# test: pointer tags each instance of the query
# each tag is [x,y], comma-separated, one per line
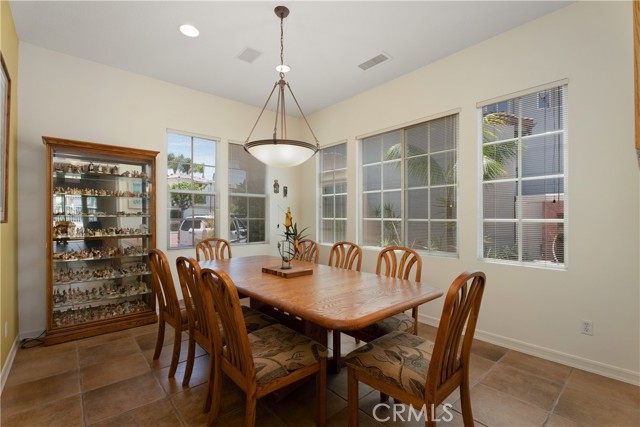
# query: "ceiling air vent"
[249,55]
[373,62]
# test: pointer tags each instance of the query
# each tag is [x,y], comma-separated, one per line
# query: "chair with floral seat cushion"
[262,361]
[307,251]
[170,309]
[419,372]
[212,249]
[402,263]
[199,308]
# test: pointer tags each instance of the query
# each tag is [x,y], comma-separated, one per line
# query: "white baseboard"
[6,368]
[592,366]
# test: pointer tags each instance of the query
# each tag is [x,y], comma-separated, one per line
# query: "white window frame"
[247,195]
[519,221]
[322,196]
[403,185]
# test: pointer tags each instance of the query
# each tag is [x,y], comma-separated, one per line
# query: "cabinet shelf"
[76,260]
[70,176]
[100,237]
[107,299]
[90,215]
[116,195]
[101,279]
[101,226]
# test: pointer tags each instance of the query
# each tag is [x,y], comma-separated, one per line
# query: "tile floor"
[110,380]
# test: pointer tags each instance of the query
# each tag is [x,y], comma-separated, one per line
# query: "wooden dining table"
[329,298]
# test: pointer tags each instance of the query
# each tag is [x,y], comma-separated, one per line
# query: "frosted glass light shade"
[281,153]
[189,30]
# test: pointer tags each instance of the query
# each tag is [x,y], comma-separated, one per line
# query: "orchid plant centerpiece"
[288,248]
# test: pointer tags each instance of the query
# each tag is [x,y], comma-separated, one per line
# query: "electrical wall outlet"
[587,327]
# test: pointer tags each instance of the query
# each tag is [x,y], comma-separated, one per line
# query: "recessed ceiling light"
[189,30]
[283,68]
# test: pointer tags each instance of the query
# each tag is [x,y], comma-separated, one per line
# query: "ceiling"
[324,41]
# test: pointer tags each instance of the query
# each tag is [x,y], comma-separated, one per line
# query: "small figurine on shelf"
[91,168]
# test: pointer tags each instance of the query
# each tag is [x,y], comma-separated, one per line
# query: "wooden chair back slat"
[213,249]
[399,262]
[460,314]
[307,251]
[163,285]
[199,308]
[346,255]
[226,301]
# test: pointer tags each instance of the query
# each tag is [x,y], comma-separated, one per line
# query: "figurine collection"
[86,314]
[99,192]
[67,229]
[96,170]
[62,276]
[104,253]
[106,291]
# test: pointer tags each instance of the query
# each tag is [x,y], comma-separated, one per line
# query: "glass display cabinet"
[100,228]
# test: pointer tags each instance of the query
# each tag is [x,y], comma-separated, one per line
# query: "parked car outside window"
[194,229]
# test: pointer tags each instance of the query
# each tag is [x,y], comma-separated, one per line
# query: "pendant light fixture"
[280,151]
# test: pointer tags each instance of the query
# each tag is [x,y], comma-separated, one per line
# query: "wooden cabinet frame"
[101,223]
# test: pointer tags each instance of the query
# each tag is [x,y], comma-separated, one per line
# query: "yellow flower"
[288,220]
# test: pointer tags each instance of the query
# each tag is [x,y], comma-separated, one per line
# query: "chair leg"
[352,397]
[465,403]
[176,352]
[191,355]
[159,339]
[207,401]
[321,394]
[430,421]
[250,411]
[215,384]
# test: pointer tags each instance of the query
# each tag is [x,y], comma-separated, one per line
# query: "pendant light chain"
[281,152]
[281,45]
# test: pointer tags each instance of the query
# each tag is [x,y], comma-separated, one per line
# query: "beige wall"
[532,309]
[63,96]
[9,231]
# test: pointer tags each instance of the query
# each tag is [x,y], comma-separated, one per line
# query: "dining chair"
[417,371]
[199,308]
[344,254]
[212,249]
[262,361]
[170,309]
[307,251]
[402,263]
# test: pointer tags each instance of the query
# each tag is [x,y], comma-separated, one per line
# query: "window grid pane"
[410,187]
[524,172]
[333,185]
[247,197]
[191,189]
